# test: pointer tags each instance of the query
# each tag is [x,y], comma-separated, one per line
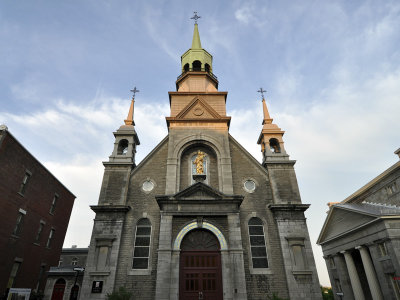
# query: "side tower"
[288,213]
[111,210]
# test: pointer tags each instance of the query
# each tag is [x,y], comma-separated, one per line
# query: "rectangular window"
[332,263]
[338,285]
[13,274]
[25,182]
[141,250]
[382,249]
[60,262]
[53,204]
[51,236]
[298,254]
[20,221]
[102,257]
[39,233]
[41,273]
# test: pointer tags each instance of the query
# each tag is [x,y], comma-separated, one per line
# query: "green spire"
[196,44]
[196,55]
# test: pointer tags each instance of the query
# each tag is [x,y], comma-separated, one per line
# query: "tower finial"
[129,118]
[195,17]
[262,92]
[134,91]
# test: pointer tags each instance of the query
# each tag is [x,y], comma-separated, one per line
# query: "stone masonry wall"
[271,280]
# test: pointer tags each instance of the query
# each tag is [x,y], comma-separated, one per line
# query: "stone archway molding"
[204,225]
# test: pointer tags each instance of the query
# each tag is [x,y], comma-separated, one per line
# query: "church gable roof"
[343,219]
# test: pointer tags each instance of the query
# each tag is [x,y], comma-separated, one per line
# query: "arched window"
[257,244]
[274,146]
[207,68]
[122,147]
[141,252]
[186,67]
[197,65]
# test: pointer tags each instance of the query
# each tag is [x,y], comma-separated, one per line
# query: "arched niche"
[187,169]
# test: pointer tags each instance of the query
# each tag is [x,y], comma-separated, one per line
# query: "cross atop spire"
[262,92]
[134,91]
[129,118]
[195,17]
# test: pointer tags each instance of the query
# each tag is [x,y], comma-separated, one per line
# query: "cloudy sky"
[331,70]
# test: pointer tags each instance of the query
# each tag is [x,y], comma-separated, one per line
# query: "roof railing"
[197,70]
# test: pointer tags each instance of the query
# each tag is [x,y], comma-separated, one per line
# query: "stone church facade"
[199,217]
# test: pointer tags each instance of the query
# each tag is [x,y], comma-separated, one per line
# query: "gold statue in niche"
[199,162]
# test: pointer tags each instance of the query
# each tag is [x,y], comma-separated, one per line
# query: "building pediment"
[198,198]
[341,220]
[198,109]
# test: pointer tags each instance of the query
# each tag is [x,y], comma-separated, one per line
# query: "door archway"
[200,266]
[58,289]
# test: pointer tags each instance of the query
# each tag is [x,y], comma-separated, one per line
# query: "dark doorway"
[58,290]
[200,267]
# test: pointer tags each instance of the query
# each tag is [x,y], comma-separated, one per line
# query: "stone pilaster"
[164,259]
[236,256]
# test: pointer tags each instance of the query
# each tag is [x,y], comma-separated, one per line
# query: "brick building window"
[24,182]
[53,204]
[141,250]
[13,274]
[20,221]
[257,243]
[50,239]
[39,233]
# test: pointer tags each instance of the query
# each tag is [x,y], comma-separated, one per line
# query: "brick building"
[360,240]
[199,217]
[34,213]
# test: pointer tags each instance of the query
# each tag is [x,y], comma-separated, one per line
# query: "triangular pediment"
[341,221]
[198,109]
[199,191]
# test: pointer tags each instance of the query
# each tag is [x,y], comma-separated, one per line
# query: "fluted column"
[354,279]
[371,275]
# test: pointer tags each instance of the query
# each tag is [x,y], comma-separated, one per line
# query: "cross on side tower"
[195,17]
[134,91]
[262,92]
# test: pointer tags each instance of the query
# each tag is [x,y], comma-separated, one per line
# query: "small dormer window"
[122,147]
[274,146]
[197,65]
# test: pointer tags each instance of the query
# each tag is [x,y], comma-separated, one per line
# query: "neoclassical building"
[199,217]
[361,240]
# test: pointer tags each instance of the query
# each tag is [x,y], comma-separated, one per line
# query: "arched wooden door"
[58,290]
[200,267]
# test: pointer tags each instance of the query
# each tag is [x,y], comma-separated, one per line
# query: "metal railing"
[197,70]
